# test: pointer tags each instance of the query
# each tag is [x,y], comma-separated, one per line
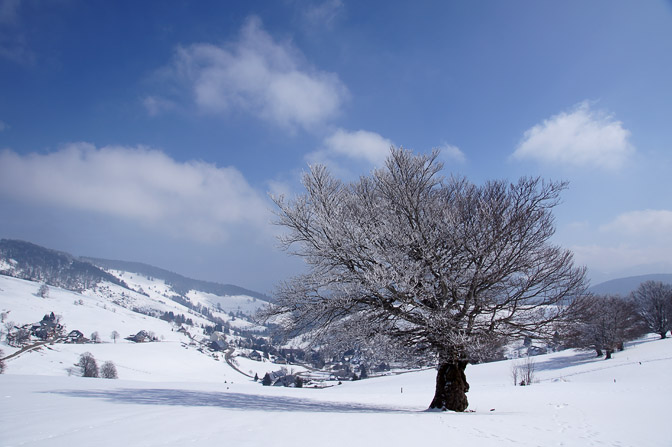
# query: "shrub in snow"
[108,371]
[522,373]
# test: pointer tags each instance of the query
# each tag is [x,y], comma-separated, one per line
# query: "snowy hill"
[29,261]
[179,284]
[111,308]
[576,400]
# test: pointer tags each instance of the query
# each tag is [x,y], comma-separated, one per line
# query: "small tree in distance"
[88,365]
[440,265]
[43,291]
[108,371]
[114,336]
[653,300]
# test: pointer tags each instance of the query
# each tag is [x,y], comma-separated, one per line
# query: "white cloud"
[581,137]
[633,243]
[653,224]
[620,260]
[3,126]
[256,74]
[322,14]
[194,199]
[452,153]
[358,145]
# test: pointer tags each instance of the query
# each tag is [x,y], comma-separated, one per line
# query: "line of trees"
[605,323]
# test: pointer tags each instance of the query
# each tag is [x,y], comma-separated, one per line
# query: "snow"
[230,303]
[252,367]
[170,394]
[95,314]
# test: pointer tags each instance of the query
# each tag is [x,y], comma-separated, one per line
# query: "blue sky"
[154,131]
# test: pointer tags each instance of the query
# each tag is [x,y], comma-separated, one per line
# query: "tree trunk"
[451,387]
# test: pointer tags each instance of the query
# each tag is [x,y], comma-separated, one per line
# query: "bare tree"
[2,361]
[442,265]
[522,371]
[654,303]
[88,365]
[108,371]
[95,337]
[43,291]
[114,336]
[605,324]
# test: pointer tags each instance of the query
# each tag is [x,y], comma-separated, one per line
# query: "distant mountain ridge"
[180,284]
[25,260]
[624,286]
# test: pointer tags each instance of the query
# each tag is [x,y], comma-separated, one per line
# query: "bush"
[108,371]
[88,365]
[523,372]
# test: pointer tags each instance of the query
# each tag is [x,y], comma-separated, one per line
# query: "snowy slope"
[578,402]
[106,309]
[95,313]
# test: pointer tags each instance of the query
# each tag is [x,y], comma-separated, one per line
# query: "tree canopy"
[440,264]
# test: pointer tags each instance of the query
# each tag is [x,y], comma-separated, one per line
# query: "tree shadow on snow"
[580,358]
[232,401]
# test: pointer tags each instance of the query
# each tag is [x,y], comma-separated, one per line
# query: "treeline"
[32,262]
[606,322]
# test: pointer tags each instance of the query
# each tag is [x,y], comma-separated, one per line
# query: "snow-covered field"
[579,401]
[170,394]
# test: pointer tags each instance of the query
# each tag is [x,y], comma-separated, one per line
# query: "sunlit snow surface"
[169,394]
